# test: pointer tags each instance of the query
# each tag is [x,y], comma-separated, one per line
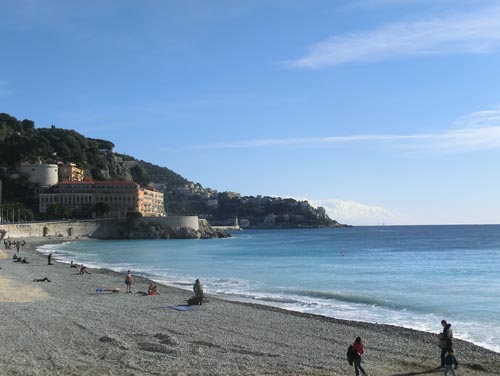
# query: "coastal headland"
[66,327]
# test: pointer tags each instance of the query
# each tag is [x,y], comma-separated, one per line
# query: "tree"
[15,212]
[140,175]
[101,208]
[57,211]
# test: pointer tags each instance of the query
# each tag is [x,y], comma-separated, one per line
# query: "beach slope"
[65,327]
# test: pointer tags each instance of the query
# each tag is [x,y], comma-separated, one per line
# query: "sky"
[381,111]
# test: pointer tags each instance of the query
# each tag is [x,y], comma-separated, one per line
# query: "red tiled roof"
[93,182]
[115,182]
[74,182]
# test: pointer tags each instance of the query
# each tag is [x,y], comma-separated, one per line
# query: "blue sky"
[383,111]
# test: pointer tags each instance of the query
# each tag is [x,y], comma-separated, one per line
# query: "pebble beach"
[67,327]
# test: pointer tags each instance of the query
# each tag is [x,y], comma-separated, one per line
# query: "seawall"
[97,228]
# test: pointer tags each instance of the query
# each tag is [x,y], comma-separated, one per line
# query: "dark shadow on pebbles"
[166,339]
[155,348]
[113,342]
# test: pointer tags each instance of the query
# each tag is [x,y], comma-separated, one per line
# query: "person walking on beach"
[49,258]
[450,363]
[445,340]
[359,349]
[128,282]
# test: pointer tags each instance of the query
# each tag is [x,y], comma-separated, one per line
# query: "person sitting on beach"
[128,282]
[198,293]
[153,289]
[72,265]
[358,349]
[84,270]
[41,280]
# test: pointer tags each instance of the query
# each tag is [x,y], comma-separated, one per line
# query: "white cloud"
[474,132]
[355,213]
[358,214]
[475,32]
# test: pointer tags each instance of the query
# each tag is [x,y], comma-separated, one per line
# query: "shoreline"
[90,333]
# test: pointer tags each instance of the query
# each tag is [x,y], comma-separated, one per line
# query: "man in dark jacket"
[445,340]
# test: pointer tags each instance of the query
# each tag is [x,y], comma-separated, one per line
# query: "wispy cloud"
[474,132]
[476,32]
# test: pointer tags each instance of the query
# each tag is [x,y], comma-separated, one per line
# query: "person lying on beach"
[25,261]
[84,270]
[41,280]
[100,290]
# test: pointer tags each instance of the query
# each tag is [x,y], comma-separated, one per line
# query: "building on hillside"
[69,172]
[43,175]
[121,197]
[244,223]
[212,203]
[270,219]
[151,202]
[230,195]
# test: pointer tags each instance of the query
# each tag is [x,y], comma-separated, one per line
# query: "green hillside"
[21,142]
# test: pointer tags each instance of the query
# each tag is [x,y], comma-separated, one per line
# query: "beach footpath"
[69,327]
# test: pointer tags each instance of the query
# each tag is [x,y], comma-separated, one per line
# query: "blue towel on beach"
[181,307]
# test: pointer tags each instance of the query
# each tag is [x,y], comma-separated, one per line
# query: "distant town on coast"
[54,174]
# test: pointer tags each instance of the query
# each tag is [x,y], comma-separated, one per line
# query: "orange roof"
[73,182]
[115,182]
[93,182]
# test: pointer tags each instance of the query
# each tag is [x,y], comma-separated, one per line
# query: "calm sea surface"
[412,276]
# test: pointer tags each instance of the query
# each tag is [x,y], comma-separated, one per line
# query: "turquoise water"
[411,276]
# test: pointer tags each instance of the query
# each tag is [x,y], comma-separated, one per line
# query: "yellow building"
[69,172]
[151,203]
[120,196]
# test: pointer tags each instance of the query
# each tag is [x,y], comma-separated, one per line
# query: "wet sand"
[64,327]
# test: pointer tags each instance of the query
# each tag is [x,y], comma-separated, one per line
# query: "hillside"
[21,142]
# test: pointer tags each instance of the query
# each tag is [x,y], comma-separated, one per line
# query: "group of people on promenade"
[447,356]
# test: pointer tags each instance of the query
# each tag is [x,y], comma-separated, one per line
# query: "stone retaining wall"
[89,228]
[49,229]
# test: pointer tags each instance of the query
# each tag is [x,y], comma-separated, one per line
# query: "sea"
[410,276]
